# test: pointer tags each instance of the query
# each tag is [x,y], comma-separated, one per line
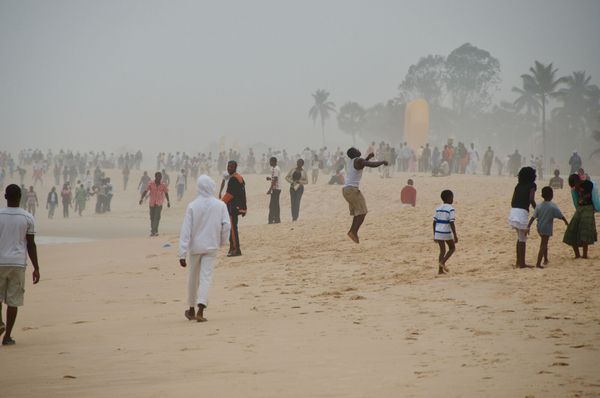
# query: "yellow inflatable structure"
[416,123]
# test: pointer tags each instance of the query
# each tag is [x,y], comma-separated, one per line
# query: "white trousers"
[200,271]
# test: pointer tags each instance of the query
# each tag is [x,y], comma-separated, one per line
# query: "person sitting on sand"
[556,182]
[545,213]
[205,228]
[444,230]
[353,195]
[523,197]
[408,195]
[581,231]
[338,177]
[442,170]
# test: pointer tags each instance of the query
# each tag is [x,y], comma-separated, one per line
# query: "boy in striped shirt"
[444,231]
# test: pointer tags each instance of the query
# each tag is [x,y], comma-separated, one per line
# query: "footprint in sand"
[358,297]
[26,328]
[557,334]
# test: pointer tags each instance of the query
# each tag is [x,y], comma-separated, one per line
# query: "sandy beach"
[305,312]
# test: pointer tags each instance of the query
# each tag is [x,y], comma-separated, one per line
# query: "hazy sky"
[181,74]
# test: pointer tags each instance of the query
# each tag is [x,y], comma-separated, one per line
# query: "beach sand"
[305,312]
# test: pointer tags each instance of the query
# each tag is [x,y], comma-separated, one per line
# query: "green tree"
[526,100]
[425,79]
[543,83]
[322,109]
[351,119]
[579,99]
[386,120]
[472,76]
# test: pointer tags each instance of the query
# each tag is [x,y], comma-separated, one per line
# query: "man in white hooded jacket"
[205,228]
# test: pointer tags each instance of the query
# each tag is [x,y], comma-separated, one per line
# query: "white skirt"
[518,218]
[441,236]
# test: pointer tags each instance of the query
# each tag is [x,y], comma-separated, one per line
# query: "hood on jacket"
[206,186]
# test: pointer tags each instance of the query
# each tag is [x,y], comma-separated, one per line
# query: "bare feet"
[441,269]
[546,261]
[540,266]
[200,318]
[189,314]
[353,236]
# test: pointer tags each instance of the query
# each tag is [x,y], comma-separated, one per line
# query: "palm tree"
[542,83]
[351,119]
[321,109]
[526,100]
[579,99]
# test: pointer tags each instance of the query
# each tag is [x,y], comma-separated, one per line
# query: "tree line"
[550,113]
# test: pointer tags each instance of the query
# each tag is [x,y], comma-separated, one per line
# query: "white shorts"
[518,218]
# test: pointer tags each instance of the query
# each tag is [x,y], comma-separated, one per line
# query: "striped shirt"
[444,215]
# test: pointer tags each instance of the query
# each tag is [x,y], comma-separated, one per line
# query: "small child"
[556,182]
[408,195]
[444,231]
[545,213]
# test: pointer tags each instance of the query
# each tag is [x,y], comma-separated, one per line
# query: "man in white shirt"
[275,192]
[205,228]
[355,198]
[17,229]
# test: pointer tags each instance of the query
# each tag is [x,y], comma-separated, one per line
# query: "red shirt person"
[408,195]
[157,191]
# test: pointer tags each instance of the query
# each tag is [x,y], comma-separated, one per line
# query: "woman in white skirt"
[523,197]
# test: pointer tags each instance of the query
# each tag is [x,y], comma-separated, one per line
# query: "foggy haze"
[170,75]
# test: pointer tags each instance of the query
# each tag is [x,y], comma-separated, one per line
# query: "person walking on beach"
[205,228]
[353,195]
[17,241]
[66,196]
[32,201]
[297,178]
[235,199]
[144,181]
[180,185]
[51,202]
[157,191]
[444,231]
[126,173]
[274,191]
[523,197]
[315,166]
[81,196]
[545,213]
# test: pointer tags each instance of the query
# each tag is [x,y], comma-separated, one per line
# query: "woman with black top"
[523,196]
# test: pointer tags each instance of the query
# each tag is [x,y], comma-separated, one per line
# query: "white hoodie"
[206,224]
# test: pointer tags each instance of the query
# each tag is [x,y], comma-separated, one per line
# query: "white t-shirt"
[276,172]
[444,215]
[15,223]
[354,175]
